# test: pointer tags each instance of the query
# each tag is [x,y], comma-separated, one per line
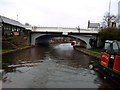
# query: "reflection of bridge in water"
[42,35]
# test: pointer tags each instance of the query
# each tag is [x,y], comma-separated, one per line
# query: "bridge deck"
[62,29]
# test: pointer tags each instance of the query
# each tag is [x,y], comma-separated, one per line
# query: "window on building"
[119,26]
[115,46]
[119,44]
[7,28]
[13,29]
[17,29]
[21,29]
[107,46]
[10,28]
[4,26]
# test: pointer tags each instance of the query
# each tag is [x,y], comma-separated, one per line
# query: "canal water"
[56,66]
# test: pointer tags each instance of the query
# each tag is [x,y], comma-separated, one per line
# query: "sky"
[57,13]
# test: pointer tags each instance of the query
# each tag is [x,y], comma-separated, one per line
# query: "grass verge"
[89,52]
[4,51]
[97,50]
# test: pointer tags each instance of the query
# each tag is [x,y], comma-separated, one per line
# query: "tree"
[27,24]
[109,20]
[109,34]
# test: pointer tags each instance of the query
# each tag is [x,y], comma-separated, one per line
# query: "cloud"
[56,12]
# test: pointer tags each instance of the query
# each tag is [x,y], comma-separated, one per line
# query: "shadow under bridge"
[44,40]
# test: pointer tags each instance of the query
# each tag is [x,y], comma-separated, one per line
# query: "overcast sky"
[65,13]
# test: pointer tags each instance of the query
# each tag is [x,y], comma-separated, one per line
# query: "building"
[93,25]
[119,9]
[10,26]
[118,23]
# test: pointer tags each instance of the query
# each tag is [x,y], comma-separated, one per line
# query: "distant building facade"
[10,26]
[93,25]
[119,9]
[118,23]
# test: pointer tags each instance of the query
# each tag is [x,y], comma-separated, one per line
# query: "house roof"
[94,25]
[11,21]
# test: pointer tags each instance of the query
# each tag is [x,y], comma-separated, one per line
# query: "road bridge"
[44,34]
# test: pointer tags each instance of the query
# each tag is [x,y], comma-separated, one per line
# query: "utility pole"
[17,17]
[109,14]
[109,6]
[78,28]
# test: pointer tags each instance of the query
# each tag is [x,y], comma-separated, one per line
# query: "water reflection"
[23,57]
[70,56]
[57,66]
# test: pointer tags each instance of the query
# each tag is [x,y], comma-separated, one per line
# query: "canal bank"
[14,50]
[15,43]
[89,52]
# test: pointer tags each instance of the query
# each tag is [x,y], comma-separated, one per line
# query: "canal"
[56,66]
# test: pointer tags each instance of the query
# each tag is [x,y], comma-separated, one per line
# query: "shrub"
[109,34]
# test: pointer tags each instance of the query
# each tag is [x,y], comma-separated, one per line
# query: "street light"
[78,28]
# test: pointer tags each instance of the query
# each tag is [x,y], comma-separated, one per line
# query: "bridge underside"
[44,40]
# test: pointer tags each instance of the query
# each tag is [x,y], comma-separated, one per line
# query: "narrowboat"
[75,43]
[110,58]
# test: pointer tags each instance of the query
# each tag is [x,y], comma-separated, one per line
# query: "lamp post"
[78,28]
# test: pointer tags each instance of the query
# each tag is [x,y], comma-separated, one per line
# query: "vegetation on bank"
[109,34]
[13,43]
[105,34]
[99,50]
[10,37]
[3,51]
[90,52]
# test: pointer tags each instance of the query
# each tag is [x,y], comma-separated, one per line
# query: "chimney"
[88,23]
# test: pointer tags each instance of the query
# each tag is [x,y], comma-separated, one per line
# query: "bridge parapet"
[63,29]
